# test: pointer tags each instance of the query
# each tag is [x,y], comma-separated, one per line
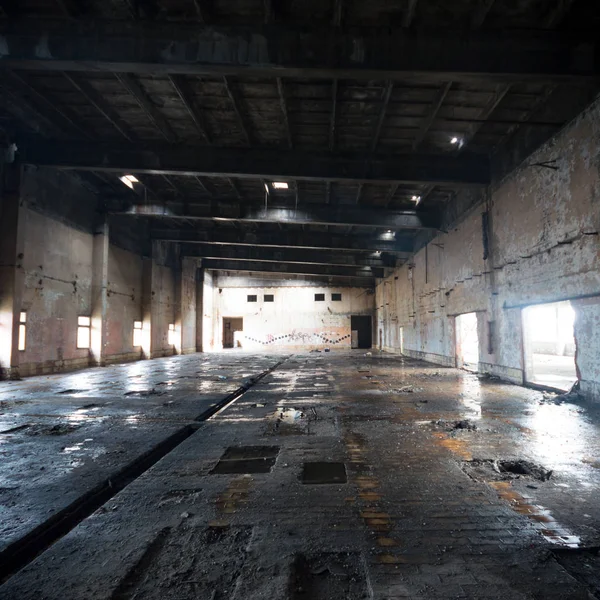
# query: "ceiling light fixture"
[416,199]
[454,140]
[129,180]
[280,185]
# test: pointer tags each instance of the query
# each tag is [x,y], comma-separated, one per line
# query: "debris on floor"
[58,429]
[502,470]
[145,393]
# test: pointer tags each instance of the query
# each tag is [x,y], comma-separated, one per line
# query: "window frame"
[336,296]
[269,298]
[22,341]
[84,328]
[251,297]
[319,297]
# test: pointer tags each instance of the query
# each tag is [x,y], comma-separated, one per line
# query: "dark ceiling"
[355,105]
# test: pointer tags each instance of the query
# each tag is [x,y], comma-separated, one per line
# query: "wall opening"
[22,330]
[361,331]
[467,342]
[84,325]
[231,327]
[549,345]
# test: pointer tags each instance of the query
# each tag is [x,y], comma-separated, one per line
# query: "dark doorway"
[362,326]
[230,326]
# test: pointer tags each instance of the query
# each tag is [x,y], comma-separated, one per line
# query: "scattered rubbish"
[258,405]
[328,576]
[464,424]
[316,350]
[573,395]
[488,377]
[368,354]
[184,515]
[15,429]
[221,377]
[59,429]
[408,389]
[145,393]
[501,470]
[71,391]
[326,350]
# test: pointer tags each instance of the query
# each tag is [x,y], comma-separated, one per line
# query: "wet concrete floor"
[338,475]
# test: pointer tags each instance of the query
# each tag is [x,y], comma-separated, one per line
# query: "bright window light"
[416,199]
[22,330]
[454,140]
[280,185]
[137,333]
[83,332]
[171,335]
[129,180]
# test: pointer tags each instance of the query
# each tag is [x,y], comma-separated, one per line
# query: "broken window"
[137,333]
[319,297]
[171,334]
[269,298]
[22,330]
[252,297]
[549,345]
[83,331]
[336,297]
[467,342]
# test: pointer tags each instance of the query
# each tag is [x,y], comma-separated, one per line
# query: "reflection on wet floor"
[333,456]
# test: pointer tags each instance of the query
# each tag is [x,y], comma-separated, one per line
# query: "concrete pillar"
[187,304]
[12,244]
[199,309]
[146,307]
[99,331]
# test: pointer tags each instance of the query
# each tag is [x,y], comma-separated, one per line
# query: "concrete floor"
[416,518]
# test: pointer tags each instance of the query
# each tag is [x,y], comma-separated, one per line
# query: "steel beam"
[295,269]
[291,255]
[336,216]
[316,241]
[282,50]
[257,163]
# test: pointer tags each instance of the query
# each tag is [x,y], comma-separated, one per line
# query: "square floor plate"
[323,472]
[246,459]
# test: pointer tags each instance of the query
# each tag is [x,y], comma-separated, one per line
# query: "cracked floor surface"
[338,475]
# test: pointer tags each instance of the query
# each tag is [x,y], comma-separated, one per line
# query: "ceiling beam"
[146,104]
[481,12]
[409,13]
[557,13]
[387,94]
[291,255]
[292,268]
[287,239]
[317,214]
[281,50]
[486,111]
[284,111]
[431,115]
[98,102]
[257,163]
[234,97]
[186,96]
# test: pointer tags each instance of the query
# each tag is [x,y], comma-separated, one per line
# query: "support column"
[12,243]
[199,309]
[99,294]
[187,303]
[147,307]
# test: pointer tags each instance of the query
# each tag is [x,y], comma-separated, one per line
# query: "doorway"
[232,325]
[362,333]
[467,342]
[549,345]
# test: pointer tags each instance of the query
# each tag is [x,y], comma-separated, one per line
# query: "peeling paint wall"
[57,265]
[543,247]
[293,320]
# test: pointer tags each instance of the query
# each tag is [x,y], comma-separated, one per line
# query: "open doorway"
[231,327]
[549,345]
[361,329]
[467,342]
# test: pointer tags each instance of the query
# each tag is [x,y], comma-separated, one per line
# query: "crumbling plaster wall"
[543,247]
[294,319]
